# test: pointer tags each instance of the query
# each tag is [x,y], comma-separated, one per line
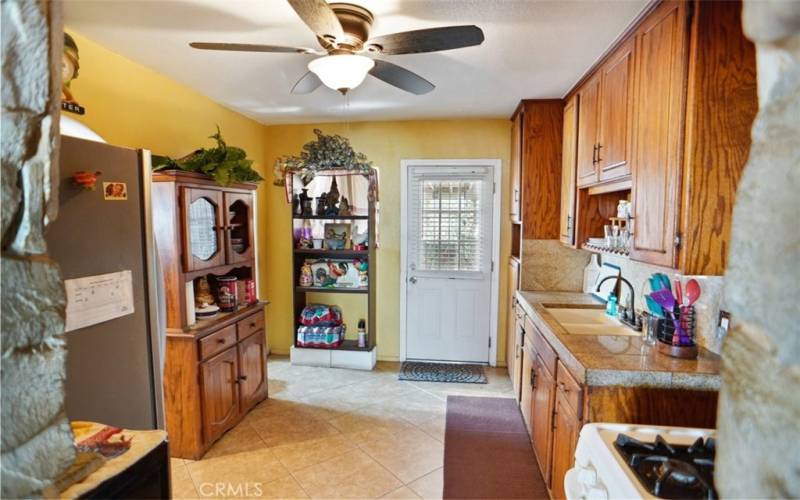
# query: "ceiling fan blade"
[248,47]
[428,40]
[307,84]
[401,77]
[318,16]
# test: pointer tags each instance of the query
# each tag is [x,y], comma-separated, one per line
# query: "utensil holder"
[686,347]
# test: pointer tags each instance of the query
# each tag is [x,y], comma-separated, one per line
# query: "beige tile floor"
[331,433]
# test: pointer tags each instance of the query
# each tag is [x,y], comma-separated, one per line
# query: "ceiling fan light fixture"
[341,72]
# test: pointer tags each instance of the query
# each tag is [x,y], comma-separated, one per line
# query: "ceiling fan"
[342,29]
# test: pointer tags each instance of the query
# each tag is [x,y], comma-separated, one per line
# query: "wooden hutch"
[215,369]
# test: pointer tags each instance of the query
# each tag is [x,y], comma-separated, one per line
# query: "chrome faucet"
[628,316]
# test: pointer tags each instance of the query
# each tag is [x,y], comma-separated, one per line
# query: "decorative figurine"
[306,277]
[322,204]
[333,199]
[204,304]
[297,208]
[305,202]
[344,207]
[362,267]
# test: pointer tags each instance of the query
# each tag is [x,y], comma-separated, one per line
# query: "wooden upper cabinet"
[616,114]
[516,165]
[588,105]
[568,159]
[203,242]
[220,393]
[239,215]
[661,45]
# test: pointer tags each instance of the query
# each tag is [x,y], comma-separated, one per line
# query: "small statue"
[305,202]
[306,276]
[344,207]
[322,204]
[202,294]
[333,199]
[362,267]
[297,208]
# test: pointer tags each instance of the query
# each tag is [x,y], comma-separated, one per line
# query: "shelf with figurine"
[334,252]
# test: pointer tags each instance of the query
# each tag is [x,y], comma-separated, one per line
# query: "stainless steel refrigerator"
[114,368]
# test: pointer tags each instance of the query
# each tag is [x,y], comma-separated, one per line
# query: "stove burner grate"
[671,471]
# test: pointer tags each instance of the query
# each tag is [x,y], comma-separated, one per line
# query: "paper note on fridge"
[94,299]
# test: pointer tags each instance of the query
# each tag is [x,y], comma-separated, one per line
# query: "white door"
[449,263]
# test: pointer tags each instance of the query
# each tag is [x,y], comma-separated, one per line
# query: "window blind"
[448,232]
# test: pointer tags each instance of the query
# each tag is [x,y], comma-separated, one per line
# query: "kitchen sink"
[589,321]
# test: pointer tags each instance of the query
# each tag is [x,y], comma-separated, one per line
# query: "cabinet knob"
[533,378]
[243,377]
[253,324]
[220,341]
[562,387]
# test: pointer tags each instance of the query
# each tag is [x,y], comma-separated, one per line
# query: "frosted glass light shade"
[341,72]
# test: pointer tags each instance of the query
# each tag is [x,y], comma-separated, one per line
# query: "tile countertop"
[600,360]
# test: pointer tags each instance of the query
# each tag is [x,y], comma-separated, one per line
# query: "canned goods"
[227,293]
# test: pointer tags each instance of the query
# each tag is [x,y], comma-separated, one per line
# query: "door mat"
[442,372]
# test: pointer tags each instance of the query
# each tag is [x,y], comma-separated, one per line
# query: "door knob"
[412,280]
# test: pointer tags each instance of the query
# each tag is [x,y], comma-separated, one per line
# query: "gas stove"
[636,461]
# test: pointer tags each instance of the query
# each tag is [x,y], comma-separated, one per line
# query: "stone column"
[759,408]
[36,441]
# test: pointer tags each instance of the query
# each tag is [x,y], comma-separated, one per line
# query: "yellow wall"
[133,106]
[385,144]
[130,105]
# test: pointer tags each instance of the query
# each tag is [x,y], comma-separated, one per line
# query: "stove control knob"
[587,476]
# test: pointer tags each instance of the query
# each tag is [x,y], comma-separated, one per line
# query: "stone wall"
[759,409]
[36,441]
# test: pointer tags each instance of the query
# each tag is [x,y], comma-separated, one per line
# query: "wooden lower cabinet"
[526,383]
[513,286]
[220,393]
[212,378]
[516,374]
[252,371]
[541,410]
[566,427]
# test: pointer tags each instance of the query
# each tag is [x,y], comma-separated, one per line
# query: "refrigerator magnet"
[115,191]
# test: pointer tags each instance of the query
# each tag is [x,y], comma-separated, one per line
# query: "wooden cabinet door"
[526,383]
[238,226]
[220,393]
[588,102]
[252,370]
[542,402]
[517,373]
[568,159]
[660,81]
[201,225]
[513,285]
[565,438]
[616,114]
[516,166]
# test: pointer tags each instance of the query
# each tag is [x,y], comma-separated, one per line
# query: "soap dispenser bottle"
[611,305]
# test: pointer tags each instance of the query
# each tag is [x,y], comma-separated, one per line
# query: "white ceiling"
[533,49]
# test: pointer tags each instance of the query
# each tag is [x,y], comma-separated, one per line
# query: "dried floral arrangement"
[225,164]
[327,152]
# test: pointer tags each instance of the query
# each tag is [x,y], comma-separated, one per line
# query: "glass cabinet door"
[202,230]
[239,228]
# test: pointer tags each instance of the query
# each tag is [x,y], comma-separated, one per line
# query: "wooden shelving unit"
[300,293]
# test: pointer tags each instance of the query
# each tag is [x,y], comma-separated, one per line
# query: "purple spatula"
[665,299]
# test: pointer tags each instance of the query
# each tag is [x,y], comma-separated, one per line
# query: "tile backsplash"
[549,265]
